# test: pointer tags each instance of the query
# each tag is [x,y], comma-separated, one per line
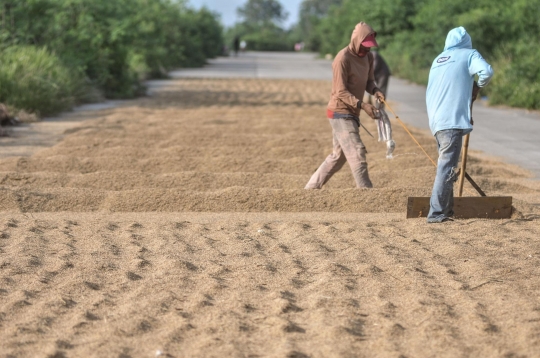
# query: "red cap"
[370,41]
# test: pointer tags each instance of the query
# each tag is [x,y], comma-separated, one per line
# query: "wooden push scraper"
[483,206]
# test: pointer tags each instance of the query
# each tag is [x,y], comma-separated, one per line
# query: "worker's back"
[449,91]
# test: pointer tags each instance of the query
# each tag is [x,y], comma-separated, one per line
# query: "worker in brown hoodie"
[352,76]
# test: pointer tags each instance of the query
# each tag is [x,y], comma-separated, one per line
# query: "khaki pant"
[348,147]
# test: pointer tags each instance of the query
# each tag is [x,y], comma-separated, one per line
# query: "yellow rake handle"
[467,176]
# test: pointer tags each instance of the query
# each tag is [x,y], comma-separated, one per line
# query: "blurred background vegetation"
[56,53]
[412,33]
[261,26]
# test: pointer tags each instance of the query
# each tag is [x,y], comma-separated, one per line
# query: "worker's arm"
[371,86]
[479,66]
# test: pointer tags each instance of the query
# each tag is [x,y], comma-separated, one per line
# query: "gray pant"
[347,147]
[449,142]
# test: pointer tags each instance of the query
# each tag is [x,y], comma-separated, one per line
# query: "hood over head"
[458,38]
[360,32]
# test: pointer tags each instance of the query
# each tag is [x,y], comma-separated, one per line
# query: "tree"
[316,8]
[311,14]
[412,32]
[259,13]
[113,44]
[261,26]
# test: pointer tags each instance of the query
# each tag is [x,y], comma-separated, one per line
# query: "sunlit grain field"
[177,225]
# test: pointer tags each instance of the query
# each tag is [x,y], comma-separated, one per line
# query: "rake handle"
[409,133]
[463,164]
[467,176]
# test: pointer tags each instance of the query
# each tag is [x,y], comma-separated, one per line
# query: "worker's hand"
[380,96]
[475,91]
[371,110]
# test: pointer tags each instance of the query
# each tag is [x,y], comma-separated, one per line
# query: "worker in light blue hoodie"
[450,93]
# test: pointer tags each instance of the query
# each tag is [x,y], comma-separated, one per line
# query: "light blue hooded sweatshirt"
[449,91]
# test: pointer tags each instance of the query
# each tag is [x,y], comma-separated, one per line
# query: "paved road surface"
[264,65]
[511,134]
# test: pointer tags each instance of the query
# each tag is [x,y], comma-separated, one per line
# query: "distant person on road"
[353,75]
[450,93]
[236,45]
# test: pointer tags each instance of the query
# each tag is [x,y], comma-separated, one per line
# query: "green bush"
[517,82]
[413,32]
[266,37]
[267,41]
[36,80]
[114,43]
[387,17]
[261,26]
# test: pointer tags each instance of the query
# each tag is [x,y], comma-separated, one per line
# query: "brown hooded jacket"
[352,75]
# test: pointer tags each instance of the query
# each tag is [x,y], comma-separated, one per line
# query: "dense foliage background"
[260,26]
[412,33]
[55,53]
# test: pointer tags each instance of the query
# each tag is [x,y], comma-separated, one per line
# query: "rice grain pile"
[177,225]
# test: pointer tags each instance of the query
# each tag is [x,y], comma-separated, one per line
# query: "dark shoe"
[439,220]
